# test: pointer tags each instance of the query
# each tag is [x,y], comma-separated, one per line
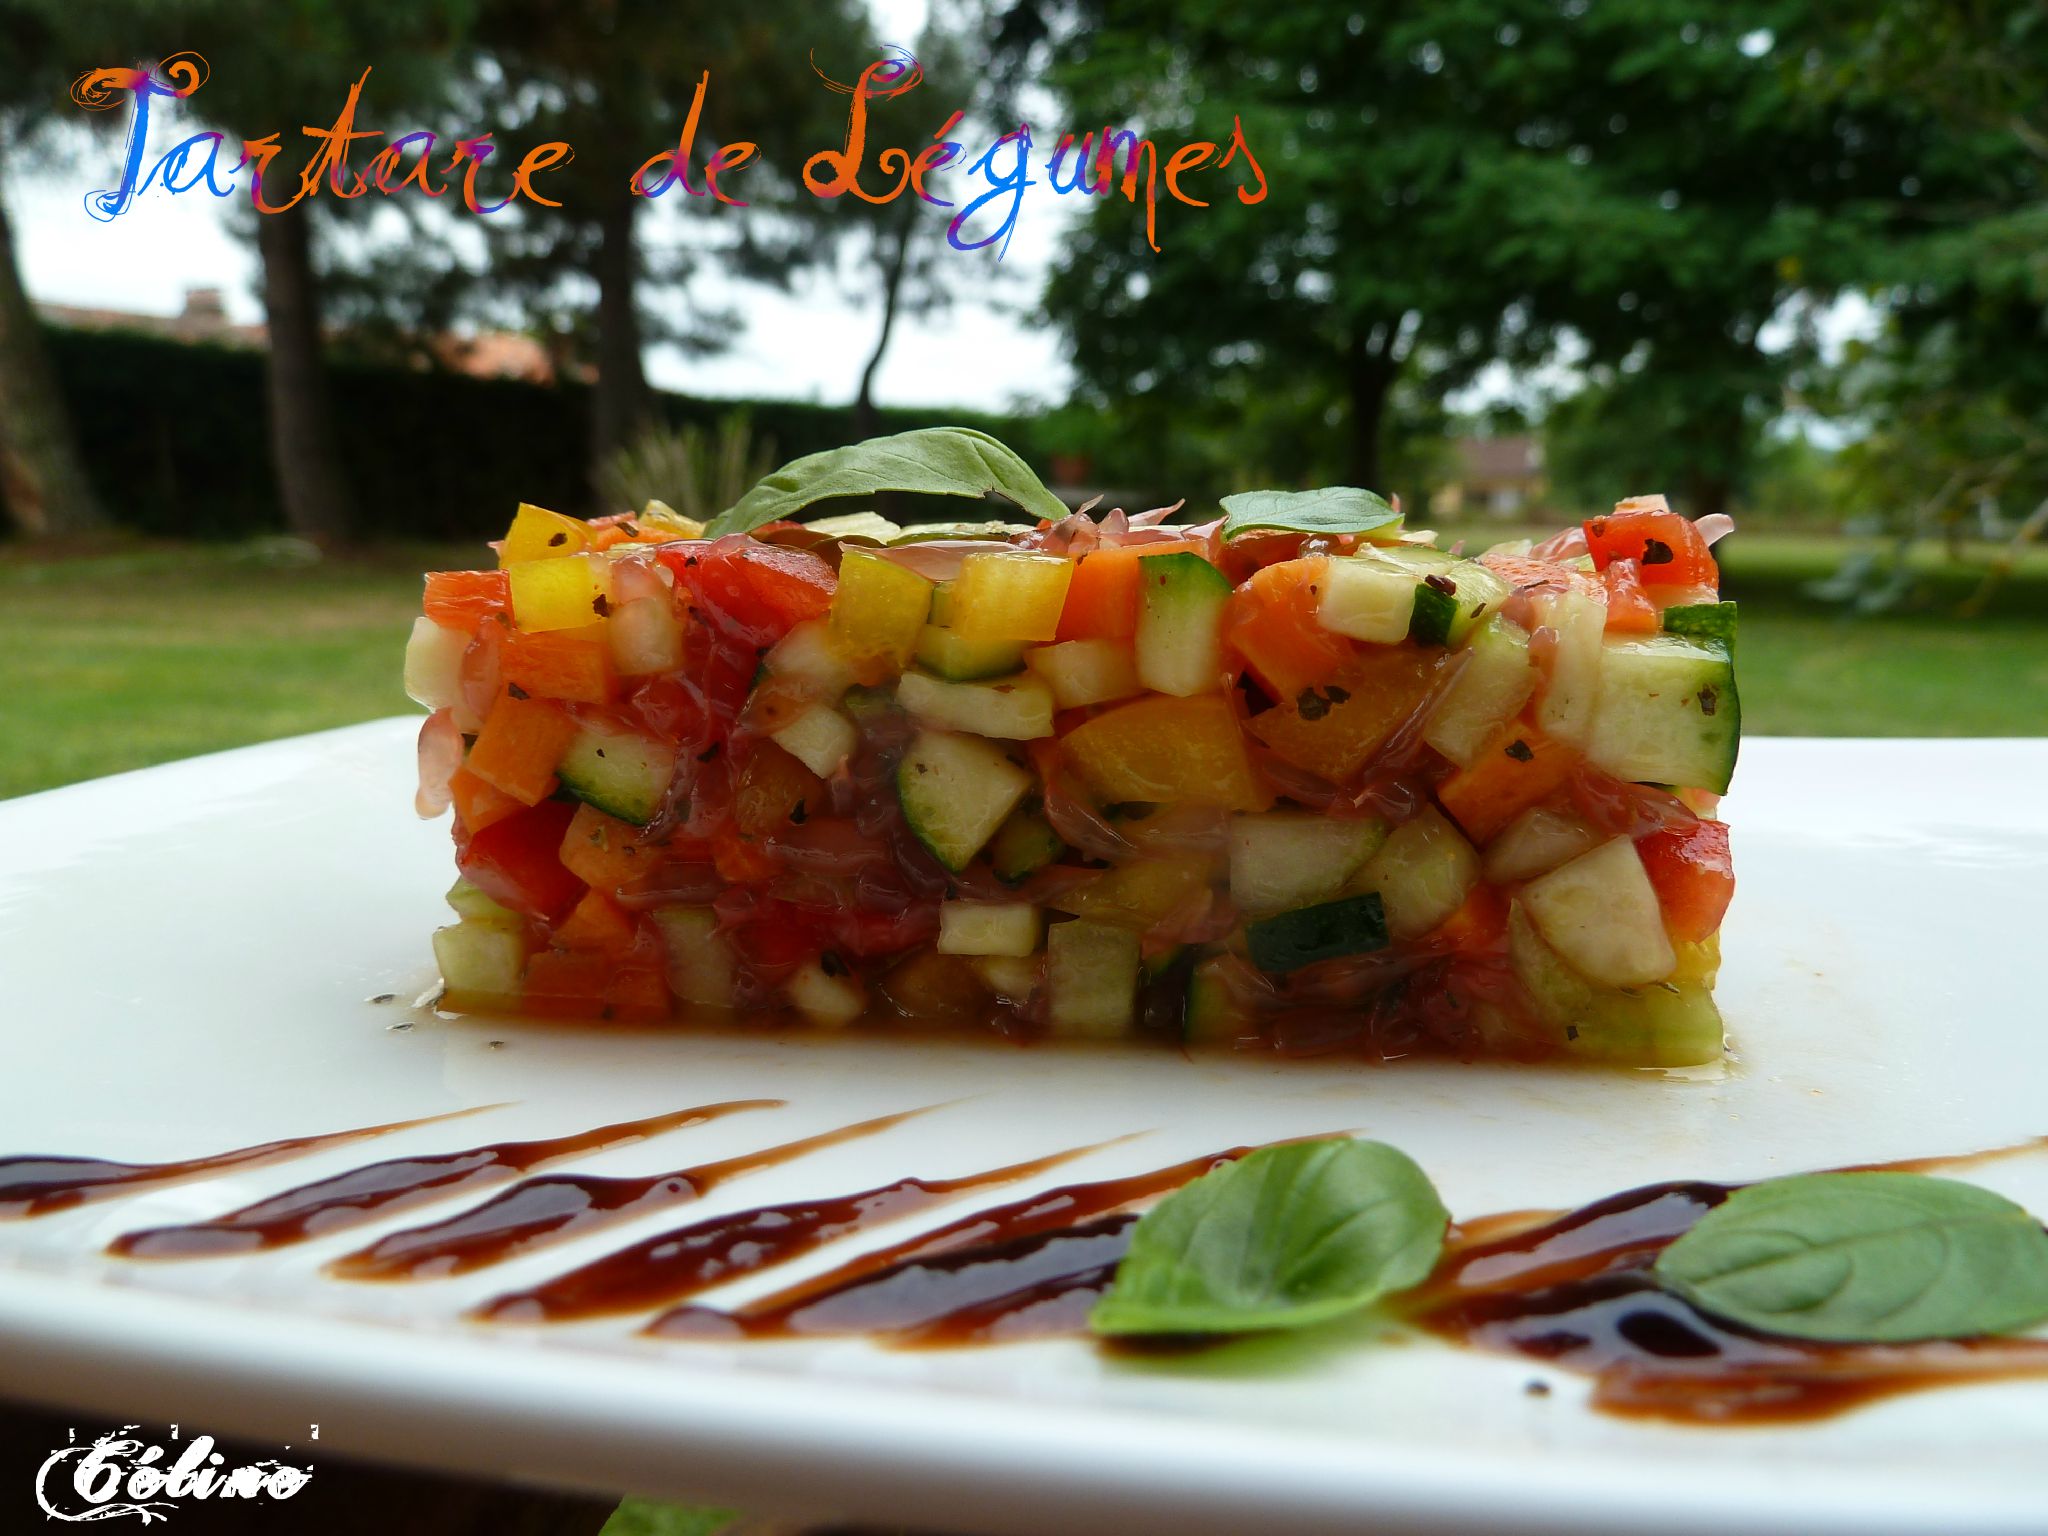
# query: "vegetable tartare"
[1296,778]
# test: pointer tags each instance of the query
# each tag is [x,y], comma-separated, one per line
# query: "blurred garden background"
[1517,259]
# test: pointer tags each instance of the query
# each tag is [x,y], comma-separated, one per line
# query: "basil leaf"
[939,461]
[1333,509]
[1879,1258]
[1286,1236]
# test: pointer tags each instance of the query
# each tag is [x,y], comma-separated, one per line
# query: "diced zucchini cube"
[1091,979]
[700,969]
[988,928]
[1368,598]
[1180,623]
[955,791]
[1012,709]
[481,964]
[955,657]
[1423,873]
[807,656]
[645,637]
[1493,682]
[820,738]
[1286,859]
[1600,913]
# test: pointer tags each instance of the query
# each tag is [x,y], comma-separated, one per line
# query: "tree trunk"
[894,264]
[1369,379]
[621,408]
[302,445]
[42,481]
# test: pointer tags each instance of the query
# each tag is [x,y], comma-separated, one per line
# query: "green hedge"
[174,438]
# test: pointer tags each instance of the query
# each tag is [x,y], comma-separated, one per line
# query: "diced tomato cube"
[515,861]
[760,590]
[1667,547]
[1629,609]
[1693,875]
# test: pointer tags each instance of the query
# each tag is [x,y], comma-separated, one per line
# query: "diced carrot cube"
[477,803]
[637,992]
[464,599]
[518,748]
[1272,624]
[566,983]
[603,851]
[1517,767]
[1102,598]
[1478,925]
[596,922]
[570,664]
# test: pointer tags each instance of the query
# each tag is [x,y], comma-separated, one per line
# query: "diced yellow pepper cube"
[1010,595]
[538,534]
[561,594]
[877,613]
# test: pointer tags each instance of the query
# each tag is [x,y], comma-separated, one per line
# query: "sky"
[983,352]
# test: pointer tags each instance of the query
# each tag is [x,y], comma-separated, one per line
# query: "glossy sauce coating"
[681,1263]
[362,1194]
[535,1212]
[33,1185]
[1014,1251]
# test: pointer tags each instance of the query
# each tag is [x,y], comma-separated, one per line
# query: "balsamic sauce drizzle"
[559,1206]
[1573,1289]
[38,1185]
[693,1259]
[363,1194]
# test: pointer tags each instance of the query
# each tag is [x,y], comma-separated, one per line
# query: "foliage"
[697,470]
[173,438]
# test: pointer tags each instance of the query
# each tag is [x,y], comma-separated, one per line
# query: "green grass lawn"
[127,660]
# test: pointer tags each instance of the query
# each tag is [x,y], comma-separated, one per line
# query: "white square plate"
[186,956]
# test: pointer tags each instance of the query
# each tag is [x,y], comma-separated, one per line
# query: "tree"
[42,479]
[618,81]
[274,64]
[1367,260]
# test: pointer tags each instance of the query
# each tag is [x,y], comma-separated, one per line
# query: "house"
[1500,477]
[204,319]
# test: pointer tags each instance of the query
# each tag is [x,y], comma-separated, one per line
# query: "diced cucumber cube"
[1667,712]
[988,928]
[1354,925]
[807,656]
[473,905]
[481,964]
[1579,621]
[1452,602]
[1014,709]
[1280,860]
[700,966]
[1180,624]
[955,791]
[1423,873]
[1368,598]
[645,637]
[1600,913]
[619,771]
[1494,680]
[1024,843]
[959,659]
[1535,843]
[820,738]
[1091,979]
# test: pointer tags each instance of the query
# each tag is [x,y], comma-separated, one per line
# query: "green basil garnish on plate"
[1333,509]
[1286,1236]
[1877,1258]
[936,461]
